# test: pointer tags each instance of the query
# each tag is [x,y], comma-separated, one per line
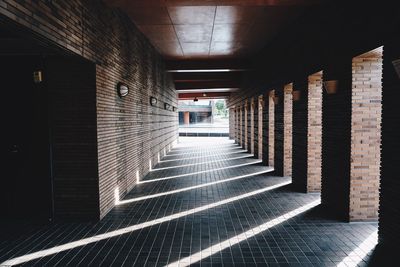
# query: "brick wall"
[389,212]
[270,141]
[287,129]
[72,99]
[242,126]
[130,132]
[365,135]
[336,111]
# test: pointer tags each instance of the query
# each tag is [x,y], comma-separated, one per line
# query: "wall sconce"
[122,89]
[276,99]
[331,86]
[37,76]
[153,101]
[396,65]
[167,106]
[195,99]
[296,95]
[174,108]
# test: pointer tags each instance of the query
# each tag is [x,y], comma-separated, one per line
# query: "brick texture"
[246,125]
[270,141]
[365,136]
[130,132]
[260,126]
[251,131]
[256,129]
[287,129]
[232,125]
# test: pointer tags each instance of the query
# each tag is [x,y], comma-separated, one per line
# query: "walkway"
[208,202]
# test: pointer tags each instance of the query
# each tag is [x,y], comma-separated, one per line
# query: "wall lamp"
[122,89]
[167,106]
[195,99]
[153,101]
[331,86]
[296,95]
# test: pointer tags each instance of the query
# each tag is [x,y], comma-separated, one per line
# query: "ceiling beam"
[191,96]
[220,66]
[196,76]
[206,85]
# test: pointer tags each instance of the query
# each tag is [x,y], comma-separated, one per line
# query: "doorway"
[26,184]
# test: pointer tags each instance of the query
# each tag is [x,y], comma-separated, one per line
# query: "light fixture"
[276,99]
[331,86]
[204,94]
[296,95]
[396,65]
[167,106]
[195,99]
[153,101]
[37,76]
[122,89]
[174,108]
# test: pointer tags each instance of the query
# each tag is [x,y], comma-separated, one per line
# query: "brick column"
[231,123]
[260,111]
[389,213]
[241,126]
[237,125]
[287,129]
[314,137]
[336,135]
[307,116]
[256,132]
[251,132]
[271,129]
[279,132]
[365,136]
[246,123]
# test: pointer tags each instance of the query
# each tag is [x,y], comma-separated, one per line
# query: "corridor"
[207,202]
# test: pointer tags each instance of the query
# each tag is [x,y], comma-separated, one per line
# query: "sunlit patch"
[121,202]
[205,253]
[137,176]
[208,151]
[158,157]
[116,196]
[200,157]
[202,150]
[199,172]
[96,238]
[200,163]
[357,255]
[150,165]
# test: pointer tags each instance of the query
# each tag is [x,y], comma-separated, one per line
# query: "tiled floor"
[204,204]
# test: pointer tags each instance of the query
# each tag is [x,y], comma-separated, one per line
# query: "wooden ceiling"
[210,30]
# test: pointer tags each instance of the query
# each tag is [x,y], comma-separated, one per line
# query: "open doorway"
[205,117]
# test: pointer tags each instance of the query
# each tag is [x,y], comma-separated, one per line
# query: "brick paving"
[207,203]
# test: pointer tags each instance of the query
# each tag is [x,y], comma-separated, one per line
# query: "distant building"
[193,112]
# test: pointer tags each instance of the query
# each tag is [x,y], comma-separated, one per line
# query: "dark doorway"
[25,181]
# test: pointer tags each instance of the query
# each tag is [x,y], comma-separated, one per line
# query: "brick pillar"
[186,117]
[260,111]
[255,121]
[251,132]
[365,136]
[231,123]
[241,126]
[307,119]
[314,137]
[237,125]
[279,132]
[287,129]
[336,136]
[246,123]
[389,212]
[271,129]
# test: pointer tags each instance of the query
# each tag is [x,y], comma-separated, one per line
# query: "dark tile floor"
[206,205]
